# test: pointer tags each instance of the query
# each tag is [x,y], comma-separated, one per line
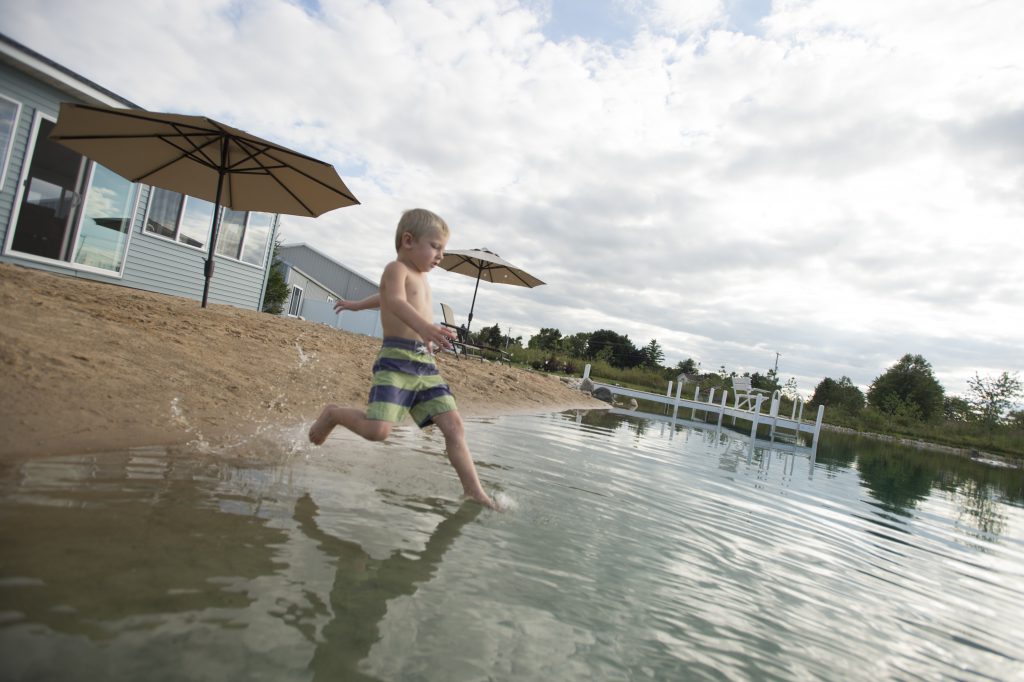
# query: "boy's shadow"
[363,586]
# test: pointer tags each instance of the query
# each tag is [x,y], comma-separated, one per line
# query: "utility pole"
[776,370]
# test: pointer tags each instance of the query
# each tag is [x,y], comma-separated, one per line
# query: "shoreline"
[969,453]
[91,366]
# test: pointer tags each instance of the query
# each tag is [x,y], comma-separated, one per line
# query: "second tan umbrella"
[484,264]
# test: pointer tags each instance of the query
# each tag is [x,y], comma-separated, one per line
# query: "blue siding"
[33,96]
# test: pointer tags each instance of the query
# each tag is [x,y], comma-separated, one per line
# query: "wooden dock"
[794,425]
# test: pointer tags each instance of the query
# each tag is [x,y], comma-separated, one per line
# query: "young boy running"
[405,376]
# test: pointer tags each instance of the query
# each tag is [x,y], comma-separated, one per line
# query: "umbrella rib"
[196,154]
[268,171]
[314,178]
[254,151]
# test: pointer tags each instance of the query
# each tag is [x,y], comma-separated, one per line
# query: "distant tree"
[619,350]
[576,345]
[490,336]
[688,366]
[907,388]
[766,382]
[546,339]
[956,409]
[277,288]
[992,397]
[840,394]
[790,389]
[653,354]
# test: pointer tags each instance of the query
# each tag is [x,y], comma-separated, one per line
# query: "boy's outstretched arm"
[363,304]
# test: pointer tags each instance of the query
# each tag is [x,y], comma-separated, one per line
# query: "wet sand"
[89,366]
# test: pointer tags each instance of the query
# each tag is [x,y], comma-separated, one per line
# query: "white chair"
[744,396]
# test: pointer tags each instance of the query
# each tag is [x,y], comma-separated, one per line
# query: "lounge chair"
[462,344]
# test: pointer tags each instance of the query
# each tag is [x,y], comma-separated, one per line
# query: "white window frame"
[206,247]
[295,302]
[245,238]
[177,222]
[8,250]
[8,151]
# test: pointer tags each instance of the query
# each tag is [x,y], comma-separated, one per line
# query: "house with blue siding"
[63,213]
[315,281]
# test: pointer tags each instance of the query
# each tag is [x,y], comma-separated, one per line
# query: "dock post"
[679,393]
[773,412]
[755,419]
[817,430]
[721,412]
[668,394]
[586,372]
[696,398]
[711,399]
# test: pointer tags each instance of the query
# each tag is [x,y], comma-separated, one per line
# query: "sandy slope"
[90,366]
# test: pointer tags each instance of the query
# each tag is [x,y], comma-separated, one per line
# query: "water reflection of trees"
[899,477]
[603,419]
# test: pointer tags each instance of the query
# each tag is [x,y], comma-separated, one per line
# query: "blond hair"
[419,222]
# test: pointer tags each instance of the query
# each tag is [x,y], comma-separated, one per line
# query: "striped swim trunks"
[406,380]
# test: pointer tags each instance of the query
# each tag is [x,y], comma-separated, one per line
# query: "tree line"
[909,390]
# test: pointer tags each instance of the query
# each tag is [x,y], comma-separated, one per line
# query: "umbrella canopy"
[203,158]
[484,264]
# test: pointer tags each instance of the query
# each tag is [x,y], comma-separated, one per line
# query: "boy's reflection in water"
[363,585]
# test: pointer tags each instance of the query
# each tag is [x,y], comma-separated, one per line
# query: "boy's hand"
[342,304]
[436,335]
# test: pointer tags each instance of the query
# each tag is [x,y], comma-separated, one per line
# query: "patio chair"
[745,397]
[462,343]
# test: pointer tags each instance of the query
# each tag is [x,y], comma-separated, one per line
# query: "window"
[295,307]
[256,238]
[242,235]
[69,209]
[106,221]
[9,112]
[164,209]
[185,219]
[229,239]
[196,222]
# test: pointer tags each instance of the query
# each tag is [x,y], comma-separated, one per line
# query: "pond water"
[633,549]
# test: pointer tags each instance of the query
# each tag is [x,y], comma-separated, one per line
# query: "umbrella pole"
[473,304]
[216,228]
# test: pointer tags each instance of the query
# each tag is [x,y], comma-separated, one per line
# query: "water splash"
[505,502]
[178,417]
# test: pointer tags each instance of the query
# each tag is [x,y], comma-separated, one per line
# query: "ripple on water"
[631,549]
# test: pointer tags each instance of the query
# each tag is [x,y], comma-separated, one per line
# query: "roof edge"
[26,59]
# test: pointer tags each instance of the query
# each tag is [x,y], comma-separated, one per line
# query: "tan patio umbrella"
[484,264]
[203,158]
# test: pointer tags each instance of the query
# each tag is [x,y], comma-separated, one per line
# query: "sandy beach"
[91,366]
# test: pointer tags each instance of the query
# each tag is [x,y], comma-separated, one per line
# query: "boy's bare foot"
[486,501]
[323,425]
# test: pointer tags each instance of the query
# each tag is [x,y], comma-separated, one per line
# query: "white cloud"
[842,188]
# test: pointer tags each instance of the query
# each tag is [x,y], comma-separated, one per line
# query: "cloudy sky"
[836,181]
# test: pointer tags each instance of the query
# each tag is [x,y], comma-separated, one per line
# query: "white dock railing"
[793,423]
